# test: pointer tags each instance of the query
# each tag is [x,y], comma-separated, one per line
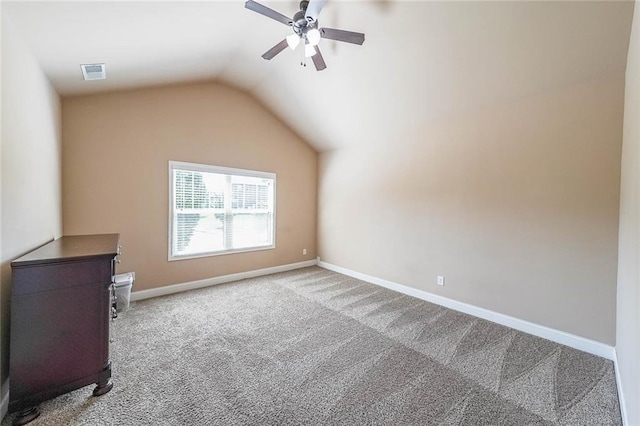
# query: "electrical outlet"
[304,252]
[440,280]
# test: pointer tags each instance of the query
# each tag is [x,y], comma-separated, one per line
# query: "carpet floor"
[312,346]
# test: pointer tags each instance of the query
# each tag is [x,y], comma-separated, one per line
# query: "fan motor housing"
[299,19]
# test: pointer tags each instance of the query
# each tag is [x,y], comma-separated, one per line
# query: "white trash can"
[122,284]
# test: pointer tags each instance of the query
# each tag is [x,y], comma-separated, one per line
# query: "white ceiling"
[421,59]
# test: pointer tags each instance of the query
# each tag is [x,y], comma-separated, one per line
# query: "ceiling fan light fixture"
[305,26]
[309,50]
[313,36]
[293,40]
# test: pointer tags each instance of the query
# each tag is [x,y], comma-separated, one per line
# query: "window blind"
[217,210]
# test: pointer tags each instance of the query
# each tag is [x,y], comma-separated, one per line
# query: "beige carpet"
[314,347]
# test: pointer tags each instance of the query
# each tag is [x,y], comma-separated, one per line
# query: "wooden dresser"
[61,299]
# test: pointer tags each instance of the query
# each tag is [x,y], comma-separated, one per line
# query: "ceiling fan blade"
[318,60]
[313,9]
[342,35]
[269,54]
[270,13]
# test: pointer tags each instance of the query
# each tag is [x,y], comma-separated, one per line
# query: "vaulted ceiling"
[421,60]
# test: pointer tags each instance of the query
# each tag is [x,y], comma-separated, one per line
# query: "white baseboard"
[623,405]
[192,285]
[4,405]
[571,340]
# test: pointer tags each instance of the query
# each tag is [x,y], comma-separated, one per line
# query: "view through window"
[217,210]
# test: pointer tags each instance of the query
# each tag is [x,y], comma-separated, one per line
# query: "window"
[218,210]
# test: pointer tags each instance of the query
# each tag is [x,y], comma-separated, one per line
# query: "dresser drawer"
[56,276]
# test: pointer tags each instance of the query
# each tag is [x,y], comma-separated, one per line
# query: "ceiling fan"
[305,28]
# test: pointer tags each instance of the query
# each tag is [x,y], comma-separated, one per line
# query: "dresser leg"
[103,387]
[25,416]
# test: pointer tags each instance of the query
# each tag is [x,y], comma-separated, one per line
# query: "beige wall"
[516,205]
[30,168]
[628,309]
[116,149]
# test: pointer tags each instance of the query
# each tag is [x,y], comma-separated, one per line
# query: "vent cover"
[93,71]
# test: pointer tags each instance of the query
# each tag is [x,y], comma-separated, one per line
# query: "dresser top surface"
[72,247]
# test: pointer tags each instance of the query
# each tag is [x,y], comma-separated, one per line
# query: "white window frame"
[181,165]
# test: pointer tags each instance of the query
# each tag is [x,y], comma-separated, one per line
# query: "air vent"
[93,71]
